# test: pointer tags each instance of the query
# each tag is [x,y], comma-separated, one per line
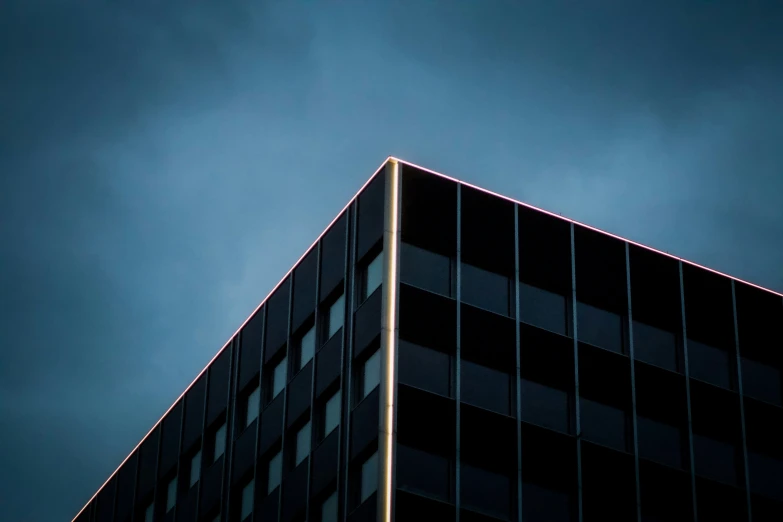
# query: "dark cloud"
[162,164]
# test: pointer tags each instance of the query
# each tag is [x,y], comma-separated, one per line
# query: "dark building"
[444,353]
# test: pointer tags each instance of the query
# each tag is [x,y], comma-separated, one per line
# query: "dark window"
[423,472]
[334,318]
[486,290]
[543,308]
[603,424]
[486,491]
[371,276]
[370,374]
[329,509]
[195,468]
[276,379]
[330,415]
[761,381]
[715,459]
[250,406]
[218,442]
[424,368]
[766,475]
[600,327]
[545,406]
[171,494]
[655,346]
[246,506]
[544,504]
[302,444]
[660,441]
[274,472]
[709,364]
[485,387]
[427,270]
[305,348]
[369,482]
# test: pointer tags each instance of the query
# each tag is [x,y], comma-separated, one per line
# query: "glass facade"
[545,372]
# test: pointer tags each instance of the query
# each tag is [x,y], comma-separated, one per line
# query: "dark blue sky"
[163,163]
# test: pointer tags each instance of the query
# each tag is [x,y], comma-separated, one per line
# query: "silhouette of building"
[445,353]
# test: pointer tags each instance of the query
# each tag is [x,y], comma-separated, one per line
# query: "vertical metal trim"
[688,392]
[203,442]
[741,401]
[231,422]
[633,383]
[313,421]
[261,351]
[288,362]
[179,462]
[458,363]
[387,429]
[519,361]
[575,329]
[134,502]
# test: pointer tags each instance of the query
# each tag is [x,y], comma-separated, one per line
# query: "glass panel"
[709,364]
[485,289]
[149,512]
[247,500]
[424,368]
[600,327]
[422,472]
[332,414]
[336,316]
[424,269]
[544,504]
[766,475]
[329,509]
[373,276]
[275,472]
[171,494]
[195,468]
[252,406]
[545,406]
[761,381]
[220,442]
[306,348]
[485,387]
[279,377]
[543,309]
[371,374]
[303,444]
[603,424]
[486,491]
[369,477]
[659,441]
[655,346]
[715,459]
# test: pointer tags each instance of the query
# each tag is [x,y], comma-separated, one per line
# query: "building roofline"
[615,236]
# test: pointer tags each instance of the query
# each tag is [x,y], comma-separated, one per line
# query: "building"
[445,353]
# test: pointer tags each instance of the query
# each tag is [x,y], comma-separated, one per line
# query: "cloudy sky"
[163,163]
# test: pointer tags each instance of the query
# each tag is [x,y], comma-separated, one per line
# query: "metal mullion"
[518,354]
[346,382]
[231,423]
[262,350]
[316,329]
[577,415]
[741,401]
[688,393]
[458,363]
[633,383]
[288,361]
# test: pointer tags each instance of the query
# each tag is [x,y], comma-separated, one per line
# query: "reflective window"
[543,309]
[252,405]
[709,364]
[599,327]
[302,444]
[306,348]
[371,373]
[545,406]
[427,270]
[424,368]
[336,317]
[149,513]
[279,378]
[603,424]
[331,417]
[171,494]
[766,475]
[486,491]
[544,504]
[195,468]
[655,346]
[485,290]
[485,387]
[329,509]
[220,442]
[715,459]
[369,477]
[372,276]
[761,381]
[659,441]
[275,472]
[247,500]
[423,472]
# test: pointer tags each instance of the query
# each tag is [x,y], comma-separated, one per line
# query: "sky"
[163,164]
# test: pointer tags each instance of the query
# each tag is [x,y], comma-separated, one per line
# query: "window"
[655,346]
[486,289]
[149,512]
[715,459]
[486,387]
[278,379]
[545,405]
[369,477]
[251,406]
[427,270]
[600,327]
[372,276]
[275,472]
[486,491]
[542,308]
[603,424]
[659,441]
[709,364]
[195,468]
[334,321]
[302,444]
[331,414]
[370,374]
[247,500]
[306,349]
[425,368]
[761,381]
[329,509]
[219,442]
[171,494]
[423,472]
